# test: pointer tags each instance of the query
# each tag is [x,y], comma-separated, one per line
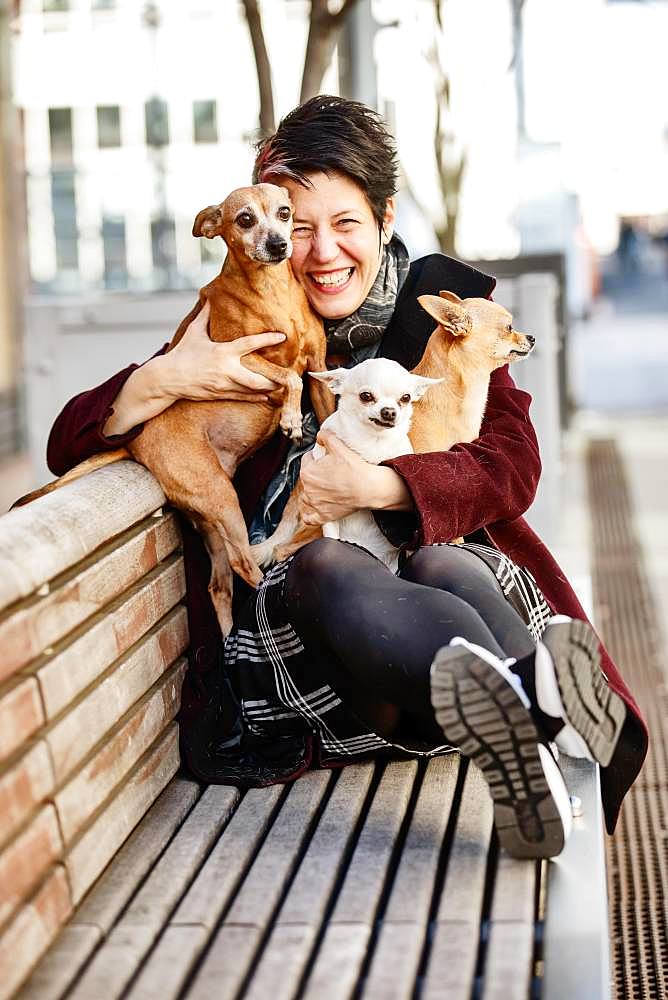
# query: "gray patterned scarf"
[359,335]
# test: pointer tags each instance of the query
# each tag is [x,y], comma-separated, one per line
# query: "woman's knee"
[326,561]
[448,567]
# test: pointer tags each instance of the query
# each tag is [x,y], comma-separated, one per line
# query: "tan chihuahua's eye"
[245,220]
[406,398]
[284,213]
[367,397]
[510,328]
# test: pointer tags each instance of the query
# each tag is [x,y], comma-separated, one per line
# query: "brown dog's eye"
[245,220]
[367,397]
[406,398]
[283,214]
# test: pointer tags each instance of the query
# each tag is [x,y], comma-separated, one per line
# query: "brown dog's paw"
[291,425]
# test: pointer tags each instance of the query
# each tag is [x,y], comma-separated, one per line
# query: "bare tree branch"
[262,65]
[323,33]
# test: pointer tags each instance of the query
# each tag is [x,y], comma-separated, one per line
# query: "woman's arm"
[114,412]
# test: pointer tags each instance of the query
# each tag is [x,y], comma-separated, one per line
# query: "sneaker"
[570,693]
[481,708]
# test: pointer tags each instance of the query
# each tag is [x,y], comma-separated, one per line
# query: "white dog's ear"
[420,384]
[334,380]
[447,312]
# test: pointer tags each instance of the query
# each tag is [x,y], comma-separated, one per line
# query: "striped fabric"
[282,685]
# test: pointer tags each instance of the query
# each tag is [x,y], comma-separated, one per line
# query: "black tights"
[382,631]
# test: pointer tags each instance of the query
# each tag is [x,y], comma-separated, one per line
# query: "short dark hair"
[333,134]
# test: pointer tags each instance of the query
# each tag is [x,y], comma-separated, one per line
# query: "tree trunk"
[254,19]
[323,32]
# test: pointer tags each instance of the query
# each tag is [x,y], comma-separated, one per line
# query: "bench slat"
[67,672]
[41,540]
[287,951]
[170,962]
[343,948]
[23,787]
[233,948]
[121,954]
[82,795]
[94,918]
[86,723]
[401,939]
[32,930]
[93,851]
[43,621]
[25,860]
[454,950]
[21,715]
[509,961]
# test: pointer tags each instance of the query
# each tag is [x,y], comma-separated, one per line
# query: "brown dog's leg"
[305,533]
[291,414]
[220,583]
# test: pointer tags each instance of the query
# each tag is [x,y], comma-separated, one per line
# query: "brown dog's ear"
[448,313]
[209,222]
[450,296]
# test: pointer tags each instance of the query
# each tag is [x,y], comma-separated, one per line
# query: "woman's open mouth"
[331,282]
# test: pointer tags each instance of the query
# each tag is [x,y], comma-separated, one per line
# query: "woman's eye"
[283,214]
[406,398]
[347,223]
[300,232]
[245,220]
[367,397]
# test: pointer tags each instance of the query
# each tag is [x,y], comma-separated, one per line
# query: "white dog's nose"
[388,414]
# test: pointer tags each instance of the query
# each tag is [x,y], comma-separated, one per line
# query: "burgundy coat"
[485,485]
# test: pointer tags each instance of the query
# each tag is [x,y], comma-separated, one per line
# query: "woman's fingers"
[255,341]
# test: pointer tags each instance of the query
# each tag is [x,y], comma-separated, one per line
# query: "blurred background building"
[531,133]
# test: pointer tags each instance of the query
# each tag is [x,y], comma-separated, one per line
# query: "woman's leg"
[383,630]
[462,573]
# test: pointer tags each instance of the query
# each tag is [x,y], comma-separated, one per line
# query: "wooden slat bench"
[120,876]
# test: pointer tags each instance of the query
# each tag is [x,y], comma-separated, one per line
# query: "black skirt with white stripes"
[288,707]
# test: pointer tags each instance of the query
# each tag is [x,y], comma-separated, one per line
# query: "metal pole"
[357,73]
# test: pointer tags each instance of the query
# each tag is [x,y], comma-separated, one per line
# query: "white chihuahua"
[373,418]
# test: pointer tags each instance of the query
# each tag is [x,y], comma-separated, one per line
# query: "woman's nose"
[324,247]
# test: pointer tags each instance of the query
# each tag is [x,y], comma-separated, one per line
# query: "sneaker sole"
[482,715]
[595,711]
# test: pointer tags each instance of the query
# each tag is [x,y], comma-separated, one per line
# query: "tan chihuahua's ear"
[448,313]
[450,296]
[209,222]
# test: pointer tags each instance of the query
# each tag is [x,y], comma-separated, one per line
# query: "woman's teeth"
[333,277]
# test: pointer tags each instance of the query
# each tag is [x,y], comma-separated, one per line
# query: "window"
[205,121]
[64,219]
[103,4]
[115,260]
[108,126]
[50,5]
[163,246]
[60,132]
[157,122]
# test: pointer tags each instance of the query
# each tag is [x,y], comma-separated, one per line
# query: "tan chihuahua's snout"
[256,221]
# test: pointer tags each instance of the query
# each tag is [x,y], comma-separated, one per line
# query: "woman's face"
[336,248]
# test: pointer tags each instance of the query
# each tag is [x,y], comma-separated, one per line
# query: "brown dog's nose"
[532,340]
[388,414]
[276,244]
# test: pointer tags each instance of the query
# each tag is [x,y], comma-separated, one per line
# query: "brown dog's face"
[481,329]
[254,221]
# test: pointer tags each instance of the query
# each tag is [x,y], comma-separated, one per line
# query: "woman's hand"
[340,482]
[197,368]
[200,368]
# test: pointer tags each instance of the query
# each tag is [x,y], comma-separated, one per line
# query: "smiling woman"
[335,657]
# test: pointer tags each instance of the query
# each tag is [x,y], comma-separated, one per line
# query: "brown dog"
[194,448]
[472,339]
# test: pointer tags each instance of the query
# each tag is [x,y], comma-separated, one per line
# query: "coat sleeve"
[77,431]
[494,478]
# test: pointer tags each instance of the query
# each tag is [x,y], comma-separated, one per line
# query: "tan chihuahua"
[472,339]
[194,448]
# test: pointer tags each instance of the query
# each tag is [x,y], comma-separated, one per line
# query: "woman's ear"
[387,229]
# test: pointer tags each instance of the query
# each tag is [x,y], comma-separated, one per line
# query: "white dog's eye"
[367,397]
[406,398]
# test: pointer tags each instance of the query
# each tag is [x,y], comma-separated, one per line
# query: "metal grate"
[637,855]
